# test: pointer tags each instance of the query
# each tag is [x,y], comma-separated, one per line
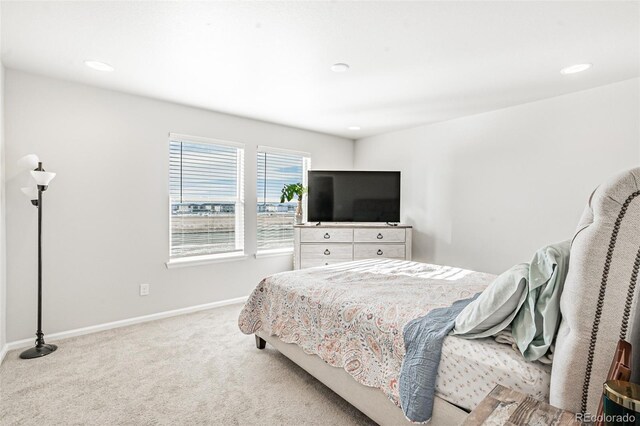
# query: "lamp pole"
[41,348]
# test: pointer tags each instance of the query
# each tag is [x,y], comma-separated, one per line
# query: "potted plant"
[291,190]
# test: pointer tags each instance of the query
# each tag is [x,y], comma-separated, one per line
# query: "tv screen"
[353,196]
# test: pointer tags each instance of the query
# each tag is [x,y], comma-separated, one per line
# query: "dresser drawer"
[326,235]
[311,263]
[381,235]
[370,251]
[326,252]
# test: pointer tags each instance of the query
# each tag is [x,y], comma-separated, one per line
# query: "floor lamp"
[42,180]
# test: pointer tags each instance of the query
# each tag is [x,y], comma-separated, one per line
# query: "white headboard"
[599,295]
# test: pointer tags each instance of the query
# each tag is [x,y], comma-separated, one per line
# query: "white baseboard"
[122,323]
[3,351]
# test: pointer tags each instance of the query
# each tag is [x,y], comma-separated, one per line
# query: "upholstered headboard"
[600,295]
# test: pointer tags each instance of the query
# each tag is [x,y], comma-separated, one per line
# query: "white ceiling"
[411,62]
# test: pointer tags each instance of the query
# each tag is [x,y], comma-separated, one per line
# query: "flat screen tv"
[353,196]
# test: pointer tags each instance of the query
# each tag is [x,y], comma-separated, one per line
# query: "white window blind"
[275,219]
[207,197]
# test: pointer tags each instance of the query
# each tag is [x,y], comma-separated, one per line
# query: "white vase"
[298,220]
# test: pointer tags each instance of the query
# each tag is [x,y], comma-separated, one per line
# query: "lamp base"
[37,352]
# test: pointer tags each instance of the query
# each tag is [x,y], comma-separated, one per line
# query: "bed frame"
[371,401]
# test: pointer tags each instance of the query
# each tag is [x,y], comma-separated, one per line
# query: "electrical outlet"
[144,289]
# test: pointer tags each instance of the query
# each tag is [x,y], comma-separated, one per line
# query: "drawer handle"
[327,252]
[326,236]
[379,252]
[379,236]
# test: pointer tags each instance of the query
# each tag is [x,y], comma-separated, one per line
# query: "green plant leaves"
[291,190]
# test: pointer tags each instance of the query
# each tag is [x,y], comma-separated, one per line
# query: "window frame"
[240,241]
[306,166]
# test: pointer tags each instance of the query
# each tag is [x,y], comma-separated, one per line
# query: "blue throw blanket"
[423,338]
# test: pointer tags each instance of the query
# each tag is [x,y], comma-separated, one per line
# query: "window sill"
[274,252]
[184,262]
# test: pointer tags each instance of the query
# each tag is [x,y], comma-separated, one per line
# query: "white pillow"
[496,307]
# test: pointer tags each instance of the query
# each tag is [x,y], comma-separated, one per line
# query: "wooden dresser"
[331,243]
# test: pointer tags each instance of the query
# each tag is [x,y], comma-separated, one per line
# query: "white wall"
[482,192]
[485,191]
[106,216]
[3,286]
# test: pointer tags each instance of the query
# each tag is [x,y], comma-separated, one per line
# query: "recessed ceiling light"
[353,128]
[575,68]
[339,67]
[99,66]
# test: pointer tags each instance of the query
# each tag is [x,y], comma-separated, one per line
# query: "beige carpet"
[195,369]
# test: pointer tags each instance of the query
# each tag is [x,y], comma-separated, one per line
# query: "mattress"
[352,315]
[470,369]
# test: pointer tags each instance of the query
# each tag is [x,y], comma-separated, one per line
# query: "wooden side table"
[507,407]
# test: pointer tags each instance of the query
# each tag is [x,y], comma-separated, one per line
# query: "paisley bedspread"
[352,314]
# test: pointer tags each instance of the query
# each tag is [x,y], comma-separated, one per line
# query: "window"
[206,196]
[276,168]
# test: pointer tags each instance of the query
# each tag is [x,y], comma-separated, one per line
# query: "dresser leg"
[260,342]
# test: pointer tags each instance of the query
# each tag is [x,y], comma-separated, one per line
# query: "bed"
[343,323]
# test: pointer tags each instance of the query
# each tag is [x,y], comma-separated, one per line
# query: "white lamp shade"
[42,178]
[28,162]
[31,192]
